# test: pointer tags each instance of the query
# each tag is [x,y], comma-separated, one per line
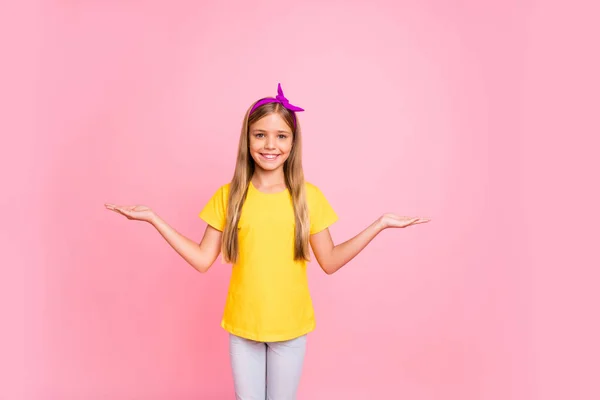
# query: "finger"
[421,221]
[114,207]
[412,222]
[124,211]
[118,211]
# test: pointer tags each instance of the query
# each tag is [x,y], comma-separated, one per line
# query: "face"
[270,142]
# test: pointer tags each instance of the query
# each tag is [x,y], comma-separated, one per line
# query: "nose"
[270,143]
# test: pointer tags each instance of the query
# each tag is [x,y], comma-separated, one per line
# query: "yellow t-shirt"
[268,298]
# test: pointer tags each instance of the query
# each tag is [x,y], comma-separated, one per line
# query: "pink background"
[480,115]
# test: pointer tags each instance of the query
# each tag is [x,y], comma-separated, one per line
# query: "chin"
[269,167]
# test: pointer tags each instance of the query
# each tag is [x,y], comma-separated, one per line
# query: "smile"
[269,157]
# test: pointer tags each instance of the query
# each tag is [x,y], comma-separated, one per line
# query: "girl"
[262,222]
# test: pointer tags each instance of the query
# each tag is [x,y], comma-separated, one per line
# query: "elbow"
[203,263]
[329,269]
[201,267]
[332,268]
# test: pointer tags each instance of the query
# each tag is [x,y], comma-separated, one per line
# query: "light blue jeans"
[268,370]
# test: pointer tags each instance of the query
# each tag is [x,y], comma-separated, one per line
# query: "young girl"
[262,222]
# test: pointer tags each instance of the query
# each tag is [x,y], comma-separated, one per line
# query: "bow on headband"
[280,98]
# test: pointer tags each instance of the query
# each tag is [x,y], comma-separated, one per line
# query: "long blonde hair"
[294,180]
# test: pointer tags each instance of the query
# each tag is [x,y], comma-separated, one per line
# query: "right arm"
[200,256]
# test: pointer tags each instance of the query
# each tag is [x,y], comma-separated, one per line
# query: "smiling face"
[270,142]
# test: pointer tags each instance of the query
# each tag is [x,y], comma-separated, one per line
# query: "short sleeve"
[214,212]
[320,211]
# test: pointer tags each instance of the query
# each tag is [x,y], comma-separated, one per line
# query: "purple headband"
[280,98]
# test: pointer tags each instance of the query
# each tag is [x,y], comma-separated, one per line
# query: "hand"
[139,213]
[400,221]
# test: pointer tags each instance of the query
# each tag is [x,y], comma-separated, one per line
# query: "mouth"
[270,157]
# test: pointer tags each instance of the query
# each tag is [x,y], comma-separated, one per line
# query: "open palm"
[400,221]
[140,213]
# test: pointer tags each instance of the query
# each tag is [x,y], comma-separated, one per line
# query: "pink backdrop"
[480,116]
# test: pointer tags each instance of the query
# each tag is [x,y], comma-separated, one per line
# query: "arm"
[331,257]
[201,256]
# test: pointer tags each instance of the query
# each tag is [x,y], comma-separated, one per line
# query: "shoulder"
[309,186]
[313,192]
[224,188]
[311,189]
[222,192]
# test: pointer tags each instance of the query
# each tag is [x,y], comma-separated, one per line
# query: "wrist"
[154,219]
[380,224]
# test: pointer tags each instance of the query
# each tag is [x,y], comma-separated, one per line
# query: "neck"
[268,179]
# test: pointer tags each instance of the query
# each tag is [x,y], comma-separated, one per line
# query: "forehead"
[271,122]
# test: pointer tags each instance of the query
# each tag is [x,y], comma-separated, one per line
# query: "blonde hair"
[294,181]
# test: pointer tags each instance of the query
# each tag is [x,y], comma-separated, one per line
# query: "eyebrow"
[262,130]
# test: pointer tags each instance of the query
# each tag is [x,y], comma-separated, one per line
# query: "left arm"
[331,257]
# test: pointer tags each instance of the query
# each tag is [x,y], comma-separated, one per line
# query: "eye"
[259,135]
[282,136]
